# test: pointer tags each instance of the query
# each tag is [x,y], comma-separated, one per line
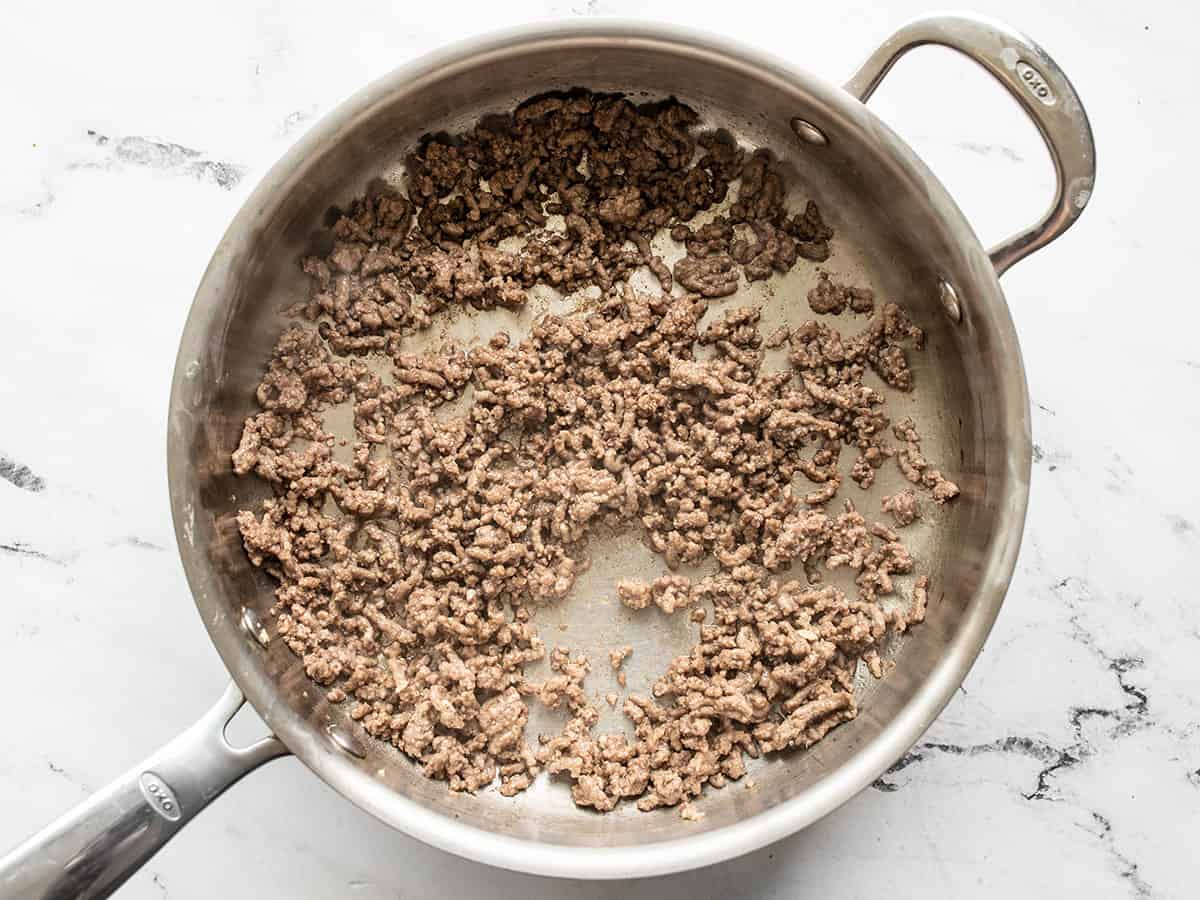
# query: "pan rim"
[561,860]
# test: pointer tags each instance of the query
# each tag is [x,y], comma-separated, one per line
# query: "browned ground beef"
[408,575]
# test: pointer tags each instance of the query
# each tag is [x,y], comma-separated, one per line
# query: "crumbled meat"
[688,811]
[778,337]
[832,369]
[618,655]
[829,297]
[900,620]
[916,468]
[409,576]
[709,276]
[903,507]
[774,242]
[669,593]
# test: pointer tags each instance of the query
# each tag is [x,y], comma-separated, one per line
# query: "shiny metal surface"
[88,853]
[1037,83]
[254,626]
[345,740]
[899,231]
[950,302]
[809,132]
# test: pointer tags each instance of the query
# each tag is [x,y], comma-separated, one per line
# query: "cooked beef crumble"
[408,576]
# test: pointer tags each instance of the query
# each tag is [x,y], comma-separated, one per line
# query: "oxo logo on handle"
[1035,83]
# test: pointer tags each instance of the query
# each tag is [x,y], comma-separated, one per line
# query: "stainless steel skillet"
[899,230]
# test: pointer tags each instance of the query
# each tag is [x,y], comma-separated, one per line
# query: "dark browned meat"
[408,575]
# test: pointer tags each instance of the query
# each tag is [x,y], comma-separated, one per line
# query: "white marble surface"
[1069,765]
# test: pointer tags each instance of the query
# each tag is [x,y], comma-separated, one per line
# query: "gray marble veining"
[1069,763]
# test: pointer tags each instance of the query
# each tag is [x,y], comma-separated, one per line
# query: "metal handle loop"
[91,850]
[1043,91]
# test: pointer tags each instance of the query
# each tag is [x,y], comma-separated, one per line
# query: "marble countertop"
[1069,763]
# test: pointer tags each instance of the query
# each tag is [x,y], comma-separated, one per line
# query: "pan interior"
[892,234]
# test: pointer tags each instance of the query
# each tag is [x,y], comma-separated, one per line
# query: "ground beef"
[688,811]
[916,468]
[900,620]
[408,574]
[829,297]
[903,507]
[616,658]
[618,655]
[669,593]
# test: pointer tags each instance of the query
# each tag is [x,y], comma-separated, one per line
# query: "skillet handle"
[94,848]
[1037,83]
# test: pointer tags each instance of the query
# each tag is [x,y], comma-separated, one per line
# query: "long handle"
[1041,88]
[94,848]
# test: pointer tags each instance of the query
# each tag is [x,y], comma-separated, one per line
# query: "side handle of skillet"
[94,848]
[1037,83]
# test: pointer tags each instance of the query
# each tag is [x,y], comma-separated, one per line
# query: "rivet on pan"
[344,742]
[950,304]
[808,132]
[254,626]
